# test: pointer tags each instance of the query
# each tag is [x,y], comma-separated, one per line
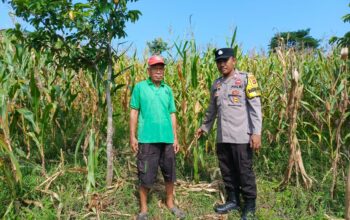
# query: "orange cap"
[155,59]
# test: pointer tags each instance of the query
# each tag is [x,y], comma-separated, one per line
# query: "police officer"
[235,102]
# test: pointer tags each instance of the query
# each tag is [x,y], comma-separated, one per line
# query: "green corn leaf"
[77,146]
[233,39]
[91,162]
[35,139]
[28,115]
[194,80]
[17,175]
[314,95]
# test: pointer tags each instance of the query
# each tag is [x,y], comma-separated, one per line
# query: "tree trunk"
[110,129]
[347,198]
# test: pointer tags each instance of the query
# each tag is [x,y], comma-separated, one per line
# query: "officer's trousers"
[236,166]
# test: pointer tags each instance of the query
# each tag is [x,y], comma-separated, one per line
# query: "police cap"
[223,53]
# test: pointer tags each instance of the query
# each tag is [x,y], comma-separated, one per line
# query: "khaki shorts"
[152,155]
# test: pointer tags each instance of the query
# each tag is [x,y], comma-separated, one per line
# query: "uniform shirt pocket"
[235,95]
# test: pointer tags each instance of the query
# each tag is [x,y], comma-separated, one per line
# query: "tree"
[80,35]
[345,40]
[157,46]
[347,197]
[295,39]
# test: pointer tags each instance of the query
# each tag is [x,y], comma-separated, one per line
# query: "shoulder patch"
[252,89]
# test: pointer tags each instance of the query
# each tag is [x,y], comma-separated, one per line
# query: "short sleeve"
[172,107]
[135,98]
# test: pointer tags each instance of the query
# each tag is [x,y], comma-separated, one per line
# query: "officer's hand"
[255,142]
[199,133]
[134,144]
[176,146]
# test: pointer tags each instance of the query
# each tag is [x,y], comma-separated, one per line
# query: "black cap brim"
[222,58]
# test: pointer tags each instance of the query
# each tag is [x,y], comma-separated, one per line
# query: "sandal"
[142,216]
[178,212]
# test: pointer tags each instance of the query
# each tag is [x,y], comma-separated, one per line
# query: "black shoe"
[227,207]
[248,212]
[249,216]
[232,204]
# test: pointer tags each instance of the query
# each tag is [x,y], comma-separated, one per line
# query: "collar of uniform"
[228,79]
[149,81]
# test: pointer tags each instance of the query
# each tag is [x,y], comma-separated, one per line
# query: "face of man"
[225,66]
[156,72]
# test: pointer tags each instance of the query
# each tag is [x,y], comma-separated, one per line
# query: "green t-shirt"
[155,104]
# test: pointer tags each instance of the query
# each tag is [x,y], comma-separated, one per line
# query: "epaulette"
[219,78]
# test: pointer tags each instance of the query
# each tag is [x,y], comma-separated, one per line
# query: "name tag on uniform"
[236,87]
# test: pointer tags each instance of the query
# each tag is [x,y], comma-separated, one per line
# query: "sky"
[213,22]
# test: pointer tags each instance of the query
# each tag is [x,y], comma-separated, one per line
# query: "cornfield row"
[46,109]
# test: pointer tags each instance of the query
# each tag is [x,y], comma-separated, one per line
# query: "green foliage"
[298,40]
[76,34]
[345,40]
[157,46]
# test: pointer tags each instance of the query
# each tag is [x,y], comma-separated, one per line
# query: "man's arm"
[172,110]
[254,111]
[210,115]
[174,125]
[134,114]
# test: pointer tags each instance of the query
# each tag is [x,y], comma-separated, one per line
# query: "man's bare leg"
[169,188]
[143,199]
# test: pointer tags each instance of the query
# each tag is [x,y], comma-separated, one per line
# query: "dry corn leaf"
[32,202]
[197,107]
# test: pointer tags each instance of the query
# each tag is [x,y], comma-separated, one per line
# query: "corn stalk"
[295,158]
[9,164]
[343,115]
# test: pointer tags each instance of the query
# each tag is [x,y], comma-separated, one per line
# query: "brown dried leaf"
[32,202]
[197,107]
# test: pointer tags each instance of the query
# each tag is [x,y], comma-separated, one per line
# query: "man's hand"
[134,144]
[176,146]
[255,142]
[199,133]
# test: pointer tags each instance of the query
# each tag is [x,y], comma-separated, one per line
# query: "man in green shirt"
[153,110]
